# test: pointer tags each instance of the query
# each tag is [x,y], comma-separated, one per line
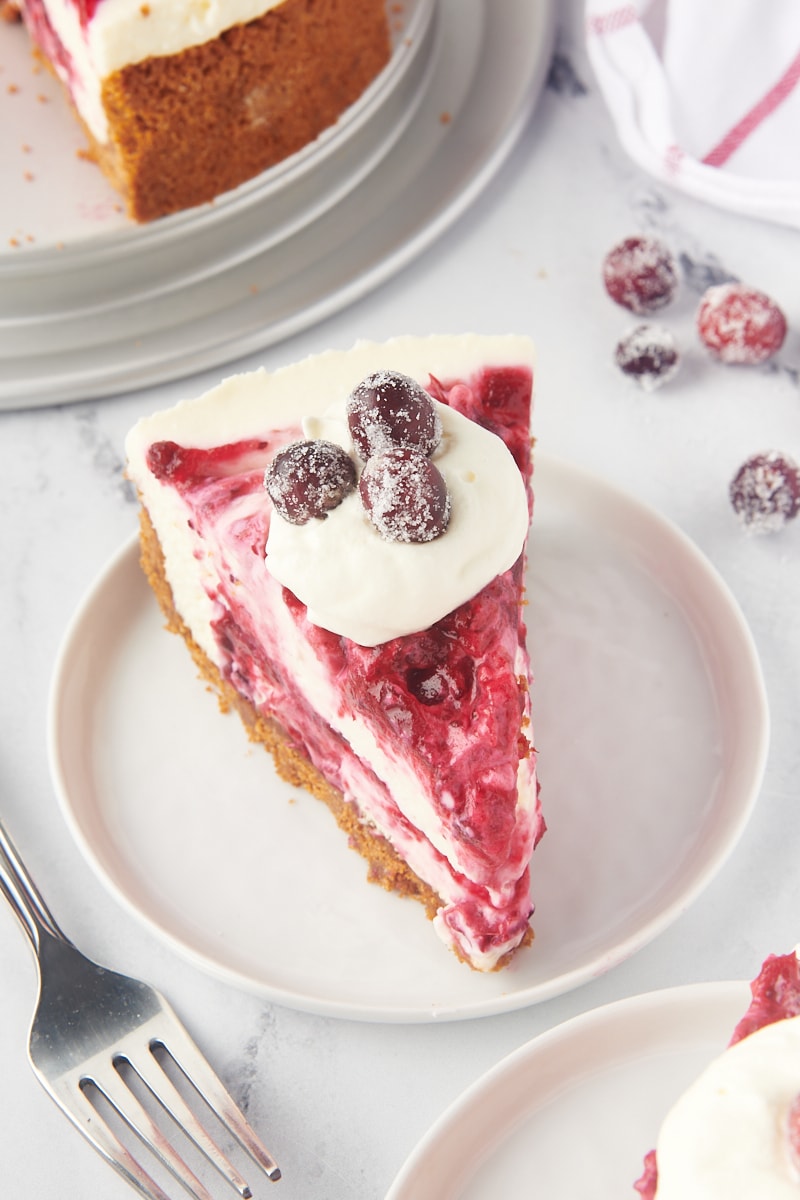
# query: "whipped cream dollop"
[727,1138]
[357,584]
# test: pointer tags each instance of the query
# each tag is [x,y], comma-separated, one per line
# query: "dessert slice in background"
[365,614]
[183,101]
[736,1130]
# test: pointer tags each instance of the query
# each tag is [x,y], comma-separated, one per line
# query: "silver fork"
[92,1029]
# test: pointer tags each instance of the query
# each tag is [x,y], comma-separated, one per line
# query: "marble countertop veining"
[339,1102]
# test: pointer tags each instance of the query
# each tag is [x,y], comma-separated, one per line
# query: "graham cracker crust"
[186,127]
[385,867]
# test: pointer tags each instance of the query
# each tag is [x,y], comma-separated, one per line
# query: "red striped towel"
[706,95]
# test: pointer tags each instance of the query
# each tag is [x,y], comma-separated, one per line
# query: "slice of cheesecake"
[183,100]
[342,545]
[736,1130]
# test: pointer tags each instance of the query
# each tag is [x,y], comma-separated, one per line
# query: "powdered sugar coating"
[640,274]
[388,410]
[405,496]
[308,479]
[765,492]
[648,354]
[740,324]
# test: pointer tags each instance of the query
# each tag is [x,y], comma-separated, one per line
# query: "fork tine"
[128,1106]
[91,1124]
[86,1019]
[156,1079]
[191,1062]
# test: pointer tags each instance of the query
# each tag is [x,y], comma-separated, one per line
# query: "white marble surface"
[340,1103]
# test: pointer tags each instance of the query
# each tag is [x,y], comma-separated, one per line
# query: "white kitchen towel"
[705,94]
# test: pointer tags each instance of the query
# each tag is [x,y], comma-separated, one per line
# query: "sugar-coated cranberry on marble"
[405,496]
[765,492]
[388,411]
[648,354]
[640,274]
[308,479]
[740,324]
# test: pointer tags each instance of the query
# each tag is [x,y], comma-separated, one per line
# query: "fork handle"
[23,895]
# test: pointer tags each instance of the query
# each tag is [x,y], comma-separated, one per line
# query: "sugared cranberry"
[405,496]
[739,324]
[387,411]
[765,492]
[648,354]
[640,274]
[308,479]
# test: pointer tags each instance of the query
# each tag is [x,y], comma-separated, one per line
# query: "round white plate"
[573,1113]
[650,720]
[488,62]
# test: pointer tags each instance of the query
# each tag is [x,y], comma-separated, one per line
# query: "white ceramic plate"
[637,646]
[488,63]
[573,1113]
